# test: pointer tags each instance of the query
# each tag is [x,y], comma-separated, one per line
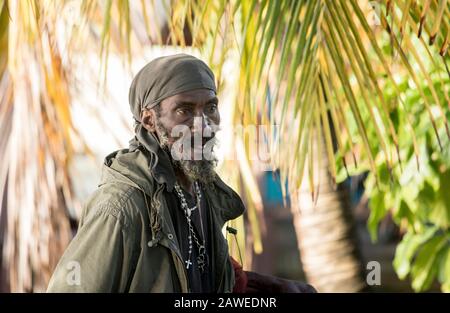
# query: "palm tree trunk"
[326,236]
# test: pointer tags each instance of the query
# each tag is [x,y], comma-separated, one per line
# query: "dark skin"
[181,109]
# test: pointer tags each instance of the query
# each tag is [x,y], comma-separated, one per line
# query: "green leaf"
[404,212]
[424,269]
[440,213]
[377,212]
[444,271]
[406,249]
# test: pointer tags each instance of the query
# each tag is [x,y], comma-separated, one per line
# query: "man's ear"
[148,118]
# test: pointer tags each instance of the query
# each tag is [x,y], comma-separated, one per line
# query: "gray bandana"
[165,77]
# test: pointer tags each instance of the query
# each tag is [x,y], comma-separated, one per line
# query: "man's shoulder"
[231,203]
[124,202]
[225,188]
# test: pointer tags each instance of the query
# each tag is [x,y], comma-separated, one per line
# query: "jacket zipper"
[184,269]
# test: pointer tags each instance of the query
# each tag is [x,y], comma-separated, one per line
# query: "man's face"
[196,110]
[185,124]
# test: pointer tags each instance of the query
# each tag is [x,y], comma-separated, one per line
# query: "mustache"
[196,138]
[197,135]
[182,141]
[187,148]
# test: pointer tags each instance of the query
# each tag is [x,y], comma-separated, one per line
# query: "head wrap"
[162,78]
[165,77]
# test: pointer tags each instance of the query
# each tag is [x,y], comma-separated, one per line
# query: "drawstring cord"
[233,231]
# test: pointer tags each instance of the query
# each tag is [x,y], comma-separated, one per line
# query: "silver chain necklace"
[201,258]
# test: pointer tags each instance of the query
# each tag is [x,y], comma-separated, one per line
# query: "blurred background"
[334,129]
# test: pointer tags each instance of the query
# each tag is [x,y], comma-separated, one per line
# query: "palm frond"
[38,147]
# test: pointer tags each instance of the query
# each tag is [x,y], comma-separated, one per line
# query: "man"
[155,222]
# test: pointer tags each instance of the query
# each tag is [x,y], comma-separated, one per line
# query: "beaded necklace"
[201,258]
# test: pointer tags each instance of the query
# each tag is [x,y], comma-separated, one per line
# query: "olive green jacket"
[126,240]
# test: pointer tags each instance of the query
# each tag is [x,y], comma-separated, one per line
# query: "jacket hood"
[142,164]
[128,167]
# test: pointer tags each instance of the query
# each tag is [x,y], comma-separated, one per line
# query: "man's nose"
[201,123]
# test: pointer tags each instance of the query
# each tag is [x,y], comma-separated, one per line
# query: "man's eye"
[181,111]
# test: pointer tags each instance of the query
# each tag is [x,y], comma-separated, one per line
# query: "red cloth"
[240,277]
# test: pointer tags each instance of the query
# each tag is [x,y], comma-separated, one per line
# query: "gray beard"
[196,170]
